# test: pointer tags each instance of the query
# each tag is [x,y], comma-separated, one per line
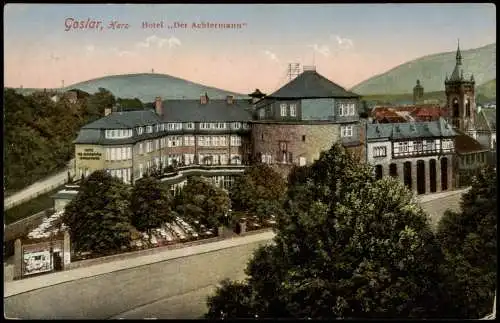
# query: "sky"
[348,43]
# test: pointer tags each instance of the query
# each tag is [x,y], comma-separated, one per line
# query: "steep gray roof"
[311,84]
[491,117]
[214,110]
[125,120]
[410,130]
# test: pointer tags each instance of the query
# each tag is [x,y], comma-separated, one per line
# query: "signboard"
[89,154]
[36,262]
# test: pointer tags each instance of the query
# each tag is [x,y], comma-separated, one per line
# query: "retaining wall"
[134,254]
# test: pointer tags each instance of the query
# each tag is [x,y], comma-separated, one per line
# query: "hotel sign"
[89,154]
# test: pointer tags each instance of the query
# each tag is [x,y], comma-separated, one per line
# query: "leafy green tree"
[260,191]
[202,201]
[130,104]
[99,216]
[151,204]
[469,242]
[360,248]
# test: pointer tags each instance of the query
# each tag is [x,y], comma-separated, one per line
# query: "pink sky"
[349,43]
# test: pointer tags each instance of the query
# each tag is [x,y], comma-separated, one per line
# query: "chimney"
[158,106]
[229,99]
[204,98]
[107,111]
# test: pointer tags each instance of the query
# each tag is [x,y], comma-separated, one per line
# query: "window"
[215,141]
[403,147]
[221,125]
[118,134]
[201,141]
[347,109]
[246,126]
[124,153]
[141,148]
[418,146]
[346,131]
[141,170]
[140,130]
[283,109]
[293,110]
[158,128]
[189,125]
[235,141]
[303,138]
[302,161]
[266,158]
[222,141]
[157,144]
[188,140]
[113,154]
[380,151]
[262,113]
[108,153]
[188,159]
[149,129]
[162,127]
[129,153]
[236,125]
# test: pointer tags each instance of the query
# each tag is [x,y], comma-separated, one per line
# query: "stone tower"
[418,93]
[460,97]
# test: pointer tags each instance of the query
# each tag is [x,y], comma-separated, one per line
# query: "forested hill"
[38,133]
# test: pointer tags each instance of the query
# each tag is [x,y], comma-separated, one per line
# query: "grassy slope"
[431,71]
[146,87]
[488,89]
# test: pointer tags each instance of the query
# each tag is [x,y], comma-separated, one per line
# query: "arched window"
[455,106]
[467,108]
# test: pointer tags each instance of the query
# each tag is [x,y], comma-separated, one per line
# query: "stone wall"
[303,140]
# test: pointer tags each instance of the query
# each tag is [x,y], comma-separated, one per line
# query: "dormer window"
[158,128]
[140,130]
[236,125]
[149,129]
[118,133]
[162,127]
[189,125]
[293,110]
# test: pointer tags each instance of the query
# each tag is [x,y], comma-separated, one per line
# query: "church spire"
[459,54]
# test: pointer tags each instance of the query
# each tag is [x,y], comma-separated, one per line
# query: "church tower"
[418,93]
[460,97]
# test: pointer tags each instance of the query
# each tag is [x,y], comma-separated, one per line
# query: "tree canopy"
[202,201]
[469,242]
[99,216]
[347,246]
[40,129]
[151,204]
[260,191]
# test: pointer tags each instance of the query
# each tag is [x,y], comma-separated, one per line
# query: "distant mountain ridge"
[146,87]
[431,70]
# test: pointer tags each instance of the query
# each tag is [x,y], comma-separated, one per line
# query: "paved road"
[175,288]
[170,288]
[38,188]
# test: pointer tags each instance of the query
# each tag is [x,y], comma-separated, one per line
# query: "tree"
[201,200]
[469,242]
[99,216]
[360,248]
[151,204]
[260,190]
